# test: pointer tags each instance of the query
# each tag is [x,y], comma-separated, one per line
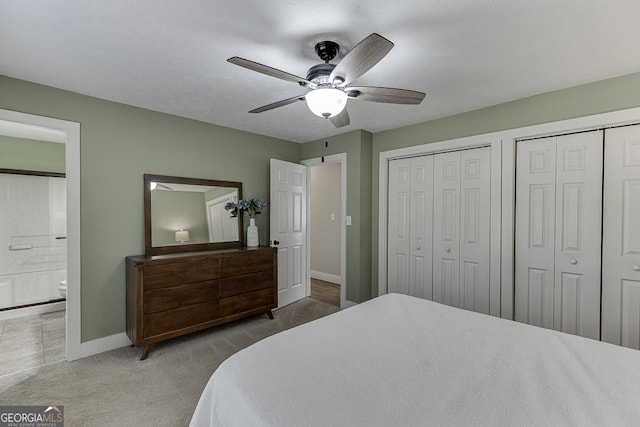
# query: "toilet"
[62,288]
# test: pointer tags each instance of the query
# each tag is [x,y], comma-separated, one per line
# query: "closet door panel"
[535,242]
[621,238]
[475,228]
[446,232]
[398,254]
[578,231]
[421,228]
[558,233]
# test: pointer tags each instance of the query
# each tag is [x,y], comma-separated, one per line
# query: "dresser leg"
[270,314]
[147,350]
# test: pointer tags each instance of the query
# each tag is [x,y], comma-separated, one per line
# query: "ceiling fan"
[328,84]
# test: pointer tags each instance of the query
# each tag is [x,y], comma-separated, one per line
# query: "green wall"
[178,210]
[358,146]
[119,144]
[31,155]
[600,97]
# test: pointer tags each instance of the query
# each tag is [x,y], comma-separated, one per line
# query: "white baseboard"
[101,345]
[326,277]
[29,311]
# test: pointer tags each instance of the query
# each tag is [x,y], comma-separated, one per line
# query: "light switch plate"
[348,219]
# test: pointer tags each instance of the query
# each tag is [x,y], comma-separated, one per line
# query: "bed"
[399,360]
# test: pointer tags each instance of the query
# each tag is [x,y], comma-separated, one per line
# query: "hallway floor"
[325,292]
[30,341]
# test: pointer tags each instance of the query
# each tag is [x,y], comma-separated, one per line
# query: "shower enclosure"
[33,246]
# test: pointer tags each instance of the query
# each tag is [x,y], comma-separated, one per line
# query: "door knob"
[447,250]
[275,243]
[574,261]
[418,247]
[636,268]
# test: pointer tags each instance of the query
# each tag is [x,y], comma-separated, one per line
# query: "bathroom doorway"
[33,254]
[33,247]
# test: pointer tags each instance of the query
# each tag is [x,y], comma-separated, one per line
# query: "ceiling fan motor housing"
[319,74]
[327,50]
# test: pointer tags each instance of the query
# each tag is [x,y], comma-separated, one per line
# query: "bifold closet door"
[410,215]
[621,241]
[558,233]
[461,230]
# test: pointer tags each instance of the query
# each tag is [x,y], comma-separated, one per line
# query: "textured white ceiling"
[170,56]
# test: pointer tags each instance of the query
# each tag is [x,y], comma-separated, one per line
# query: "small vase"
[252,234]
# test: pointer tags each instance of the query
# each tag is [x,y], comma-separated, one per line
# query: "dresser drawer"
[246,302]
[245,283]
[166,275]
[247,262]
[177,294]
[162,299]
[179,318]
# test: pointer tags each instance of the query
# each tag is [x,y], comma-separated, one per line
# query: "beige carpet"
[117,389]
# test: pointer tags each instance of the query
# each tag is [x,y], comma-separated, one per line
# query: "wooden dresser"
[173,295]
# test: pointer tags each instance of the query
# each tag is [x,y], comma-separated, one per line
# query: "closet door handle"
[636,268]
[574,261]
[447,250]
[418,247]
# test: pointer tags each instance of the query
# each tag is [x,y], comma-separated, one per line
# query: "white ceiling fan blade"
[269,71]
[278,104]
[341,119]
[360,59]
[386,95]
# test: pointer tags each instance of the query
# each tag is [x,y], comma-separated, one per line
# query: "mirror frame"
[151,250]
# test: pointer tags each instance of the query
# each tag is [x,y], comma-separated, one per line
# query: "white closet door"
[535,242]
[578,232]
[475,228]
[446,229]
[558,217]
[621,244]
[398,251]
[420,227]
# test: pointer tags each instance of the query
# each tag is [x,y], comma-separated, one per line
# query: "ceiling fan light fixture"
[326,102]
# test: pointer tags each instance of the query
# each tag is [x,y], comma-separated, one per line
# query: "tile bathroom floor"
[31,341]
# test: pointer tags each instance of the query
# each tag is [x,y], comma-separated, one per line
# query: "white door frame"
[488,140]
[506,140]
[216,201]
[68,133]
[342,160]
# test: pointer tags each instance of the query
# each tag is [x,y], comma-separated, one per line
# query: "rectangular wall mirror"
[187,214]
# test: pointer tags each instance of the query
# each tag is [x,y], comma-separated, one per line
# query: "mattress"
[400,360]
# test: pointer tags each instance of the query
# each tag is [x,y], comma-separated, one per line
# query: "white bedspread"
[402,361]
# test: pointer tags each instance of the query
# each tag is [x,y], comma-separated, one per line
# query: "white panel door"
[535,238]
[558,232]
[446,228]
[398,252]
[288,228]
[621,244]
[578,234]
[421,228]
[410,226]
[475,229]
